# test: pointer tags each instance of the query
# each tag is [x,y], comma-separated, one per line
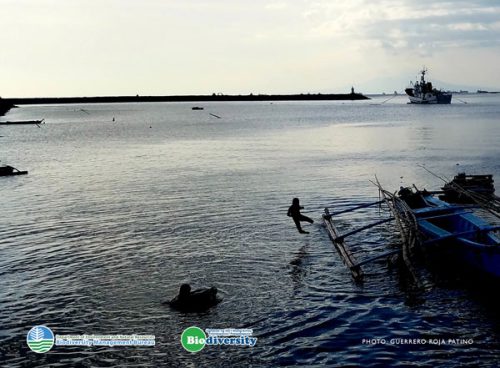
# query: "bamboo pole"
[342,249]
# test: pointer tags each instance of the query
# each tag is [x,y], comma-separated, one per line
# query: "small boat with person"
[423,92]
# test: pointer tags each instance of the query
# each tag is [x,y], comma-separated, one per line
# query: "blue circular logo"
[40,339]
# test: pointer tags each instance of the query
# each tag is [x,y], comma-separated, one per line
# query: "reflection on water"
[114,216]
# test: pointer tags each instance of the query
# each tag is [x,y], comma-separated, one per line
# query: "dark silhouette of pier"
[5,106]
[185,98]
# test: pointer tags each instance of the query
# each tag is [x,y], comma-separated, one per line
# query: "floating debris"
[23,122]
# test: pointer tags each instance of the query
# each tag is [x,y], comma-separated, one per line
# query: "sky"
[166,47]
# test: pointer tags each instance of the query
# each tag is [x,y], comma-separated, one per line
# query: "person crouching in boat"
[294,213]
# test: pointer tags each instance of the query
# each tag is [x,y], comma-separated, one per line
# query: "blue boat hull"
[460,236]
[485,260]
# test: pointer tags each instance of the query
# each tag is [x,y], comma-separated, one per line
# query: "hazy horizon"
[110,47]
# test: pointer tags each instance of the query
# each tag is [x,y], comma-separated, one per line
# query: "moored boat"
[6,170]
[23,122]
[423,92]
[463,188]
[455,233]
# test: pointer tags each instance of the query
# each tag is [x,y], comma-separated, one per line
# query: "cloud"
[276,5]
[195,46]
[403,25]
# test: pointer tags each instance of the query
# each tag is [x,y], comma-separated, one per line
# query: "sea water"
[125,202]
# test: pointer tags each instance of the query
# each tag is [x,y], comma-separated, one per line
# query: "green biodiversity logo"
[193,339]
[40,339]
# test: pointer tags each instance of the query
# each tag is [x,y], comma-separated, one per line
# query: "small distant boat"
[424,93]
[23,122]
[197,108]
[7,170]
[456,233]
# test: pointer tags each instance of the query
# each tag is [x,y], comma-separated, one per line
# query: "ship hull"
[433,99]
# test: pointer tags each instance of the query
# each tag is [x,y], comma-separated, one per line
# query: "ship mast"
[422,78]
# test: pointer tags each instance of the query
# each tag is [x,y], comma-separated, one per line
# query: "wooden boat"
[456,233]
[7,170]
[23,122]
[477,184]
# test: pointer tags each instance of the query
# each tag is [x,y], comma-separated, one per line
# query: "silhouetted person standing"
[294,212]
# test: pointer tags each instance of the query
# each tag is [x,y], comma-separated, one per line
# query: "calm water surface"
[114,216]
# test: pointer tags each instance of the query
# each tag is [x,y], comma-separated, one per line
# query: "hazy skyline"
[161,47]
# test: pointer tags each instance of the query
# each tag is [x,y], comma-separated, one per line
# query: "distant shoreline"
[184,98]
